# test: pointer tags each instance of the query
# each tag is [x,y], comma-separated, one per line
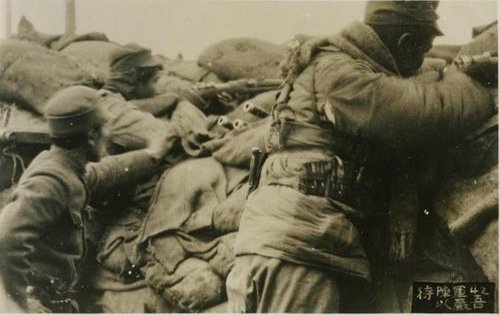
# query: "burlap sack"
[30,74]
[485,40]
[171,84]
[239,58]
[193,286]
[236,150]
[187,70]
[96,53]
[26,31]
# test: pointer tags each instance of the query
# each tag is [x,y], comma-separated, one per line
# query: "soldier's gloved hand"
[192,96]
[482,68]
[231,101]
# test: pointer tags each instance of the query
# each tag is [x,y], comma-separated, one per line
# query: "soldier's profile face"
[95,144]
[413,53]
[146,79]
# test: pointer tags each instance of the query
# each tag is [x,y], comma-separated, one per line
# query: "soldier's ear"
[407,42]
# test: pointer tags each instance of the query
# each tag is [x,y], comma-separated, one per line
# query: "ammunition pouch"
[334,179]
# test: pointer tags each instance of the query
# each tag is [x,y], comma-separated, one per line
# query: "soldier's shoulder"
[54,165]
[329,56]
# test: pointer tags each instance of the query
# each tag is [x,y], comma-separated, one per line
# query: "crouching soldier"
[42,234]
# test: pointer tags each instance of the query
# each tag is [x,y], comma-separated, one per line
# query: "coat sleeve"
[116,172]
[403,113]
[37,203]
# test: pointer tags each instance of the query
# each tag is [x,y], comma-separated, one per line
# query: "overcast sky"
[187,27]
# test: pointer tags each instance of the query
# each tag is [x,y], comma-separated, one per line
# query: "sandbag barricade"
[181,257]
[30,74]
[243,58]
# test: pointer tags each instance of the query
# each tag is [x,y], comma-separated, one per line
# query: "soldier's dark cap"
[132,56]
[73,111]
[412,12]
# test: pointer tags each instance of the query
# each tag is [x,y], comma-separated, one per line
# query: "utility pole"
[70,17]
[8,18]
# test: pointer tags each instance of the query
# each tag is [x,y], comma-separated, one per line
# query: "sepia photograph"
[248,156]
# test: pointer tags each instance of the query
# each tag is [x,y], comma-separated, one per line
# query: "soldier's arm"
[119,171]
[402,113]
[158,105]
[37,203]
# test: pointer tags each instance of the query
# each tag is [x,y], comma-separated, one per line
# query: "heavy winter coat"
[350,93]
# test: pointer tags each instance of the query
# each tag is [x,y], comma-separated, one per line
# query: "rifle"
[208,89]
[24,137]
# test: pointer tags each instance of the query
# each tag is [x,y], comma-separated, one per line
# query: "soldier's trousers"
[258,284]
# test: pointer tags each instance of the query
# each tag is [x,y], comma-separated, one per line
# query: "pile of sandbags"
[485,39]
[239,58]
[30,74]
[96,53]
[186,253]
[26,31]
[467,197]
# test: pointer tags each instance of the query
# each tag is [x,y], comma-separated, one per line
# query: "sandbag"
[30,74]
[485,250]
[486,40]
[190,124]
[141,300]
[96,53]
[227,214]
[239,58]
[26,31]
[5,197]
[171,84]
[193,287]
[188,70]
[466,198]
[223,260]
[66,40]
[236,150]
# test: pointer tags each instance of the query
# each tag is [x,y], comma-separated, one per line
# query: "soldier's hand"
[482,68]
[194,97]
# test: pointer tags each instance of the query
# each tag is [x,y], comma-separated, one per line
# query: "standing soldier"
[42,231]
[300,240]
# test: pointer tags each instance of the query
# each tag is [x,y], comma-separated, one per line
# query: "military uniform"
[305,213]
[43,239]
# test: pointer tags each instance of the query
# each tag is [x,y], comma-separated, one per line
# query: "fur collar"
[361,42]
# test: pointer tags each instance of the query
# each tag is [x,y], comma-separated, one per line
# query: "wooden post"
[70,17]
[8,18]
